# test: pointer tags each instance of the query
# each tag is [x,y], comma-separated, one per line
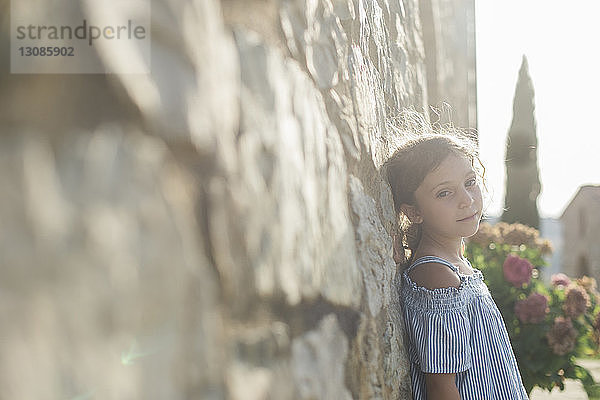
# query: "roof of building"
[591,191]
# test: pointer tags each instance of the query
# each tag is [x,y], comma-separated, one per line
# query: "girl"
[457,342]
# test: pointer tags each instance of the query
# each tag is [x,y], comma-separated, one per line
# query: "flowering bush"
[550,325]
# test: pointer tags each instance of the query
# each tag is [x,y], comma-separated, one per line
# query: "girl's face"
[449,201]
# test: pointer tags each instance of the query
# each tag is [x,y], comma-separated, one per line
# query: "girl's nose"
[466,198]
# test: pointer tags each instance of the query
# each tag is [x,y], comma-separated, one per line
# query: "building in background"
[581,233]
[552,229]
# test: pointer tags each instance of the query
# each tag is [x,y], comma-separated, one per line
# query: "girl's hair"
[406,169]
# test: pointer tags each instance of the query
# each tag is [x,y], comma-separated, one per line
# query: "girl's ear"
[412,212]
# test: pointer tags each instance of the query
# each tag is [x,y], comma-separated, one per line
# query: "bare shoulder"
[434,276]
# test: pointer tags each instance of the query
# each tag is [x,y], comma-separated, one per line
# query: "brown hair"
[406,169]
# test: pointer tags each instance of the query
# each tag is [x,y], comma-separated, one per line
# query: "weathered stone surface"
[314,32]
[98,292]
[375,249]
[290,198]
[174,98]
[260,368]
[317,362]
[386,70]
[396,365]
[451,74]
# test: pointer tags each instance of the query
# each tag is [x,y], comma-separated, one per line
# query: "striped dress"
[459,330]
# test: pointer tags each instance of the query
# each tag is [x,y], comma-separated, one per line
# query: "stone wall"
[449,42]
[218,228]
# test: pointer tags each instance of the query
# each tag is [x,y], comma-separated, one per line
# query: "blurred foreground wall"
[218,229]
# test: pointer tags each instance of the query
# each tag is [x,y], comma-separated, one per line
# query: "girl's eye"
[443,193]
[471,182]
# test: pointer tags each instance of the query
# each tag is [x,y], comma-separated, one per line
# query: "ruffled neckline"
[465,279]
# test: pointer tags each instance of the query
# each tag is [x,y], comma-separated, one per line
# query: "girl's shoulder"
[434,275]
[432,283]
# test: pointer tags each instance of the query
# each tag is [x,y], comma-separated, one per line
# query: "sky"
[560,40]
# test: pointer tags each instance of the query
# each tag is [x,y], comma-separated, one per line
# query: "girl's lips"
[468,218]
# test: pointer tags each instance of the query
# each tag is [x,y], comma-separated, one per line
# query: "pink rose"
[560,279]
[533,309]
[517,270]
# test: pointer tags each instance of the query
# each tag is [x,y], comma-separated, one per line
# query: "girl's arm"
[441,387]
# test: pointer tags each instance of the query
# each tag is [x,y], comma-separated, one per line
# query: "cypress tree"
[522,175]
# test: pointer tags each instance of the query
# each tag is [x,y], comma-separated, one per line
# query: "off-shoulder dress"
[459,330]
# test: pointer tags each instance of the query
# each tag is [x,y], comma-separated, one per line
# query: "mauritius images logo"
[66,36]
